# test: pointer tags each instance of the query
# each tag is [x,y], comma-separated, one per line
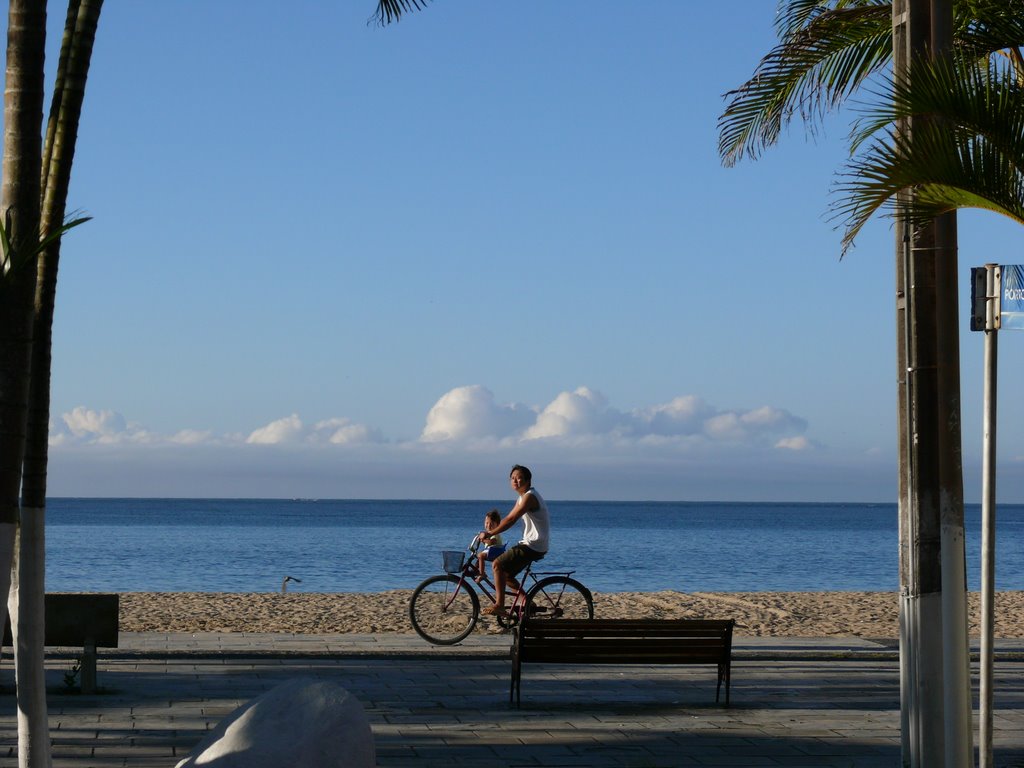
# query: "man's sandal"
[495,611]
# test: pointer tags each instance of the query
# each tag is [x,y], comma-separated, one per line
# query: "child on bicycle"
[493,545]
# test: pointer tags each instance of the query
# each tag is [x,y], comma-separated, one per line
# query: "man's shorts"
[518,557]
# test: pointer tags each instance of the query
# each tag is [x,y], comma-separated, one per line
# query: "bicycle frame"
[488,588]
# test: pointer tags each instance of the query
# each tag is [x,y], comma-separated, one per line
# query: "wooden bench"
[623,641]
[79,620]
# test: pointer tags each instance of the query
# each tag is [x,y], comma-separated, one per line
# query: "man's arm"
[525,503]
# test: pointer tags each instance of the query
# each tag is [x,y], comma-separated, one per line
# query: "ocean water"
[247,545]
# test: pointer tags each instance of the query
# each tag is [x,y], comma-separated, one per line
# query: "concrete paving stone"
[126,750]
[839,748]
[585,761]
[682,758]
[61,750]
[763,747]
[747,761]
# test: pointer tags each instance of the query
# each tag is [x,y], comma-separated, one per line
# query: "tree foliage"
[968,152]
[392,10]
[828,50]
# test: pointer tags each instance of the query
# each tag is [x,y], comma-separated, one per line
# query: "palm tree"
[33,202]
[828,50]
[966,149]
[30,557]
[19,204]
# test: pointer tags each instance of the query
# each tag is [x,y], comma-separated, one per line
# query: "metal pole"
[988,521]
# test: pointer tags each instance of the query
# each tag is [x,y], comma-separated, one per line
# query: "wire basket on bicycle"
[453,560]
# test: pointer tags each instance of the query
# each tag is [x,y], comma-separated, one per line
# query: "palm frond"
[828,49]
[392,10]
[965,148]
[982,27]
[977,93]
[794,15]
[824,56]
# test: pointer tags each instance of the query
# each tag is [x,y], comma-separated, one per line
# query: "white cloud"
[753,425]
[573,414]
[799,443]
[767,418]
[286,430]
[680,416]
[191,436]
[290,430]
[82,422]
[85,425]
[468,413]
[469,416]
[577,430]
[343,432]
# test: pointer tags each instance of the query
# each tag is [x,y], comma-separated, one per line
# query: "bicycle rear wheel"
[442,611]
[559,597]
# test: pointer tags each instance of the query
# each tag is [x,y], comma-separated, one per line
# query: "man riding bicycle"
[534,544]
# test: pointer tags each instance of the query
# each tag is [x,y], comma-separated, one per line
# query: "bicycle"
[444,609]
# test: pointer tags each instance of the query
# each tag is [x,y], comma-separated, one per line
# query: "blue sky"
[333,260]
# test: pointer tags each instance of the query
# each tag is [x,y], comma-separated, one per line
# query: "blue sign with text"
[1011,297]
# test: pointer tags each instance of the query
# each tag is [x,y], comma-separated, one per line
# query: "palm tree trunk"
[57,155]
[20,205]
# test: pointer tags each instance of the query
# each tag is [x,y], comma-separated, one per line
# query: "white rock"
[303,722]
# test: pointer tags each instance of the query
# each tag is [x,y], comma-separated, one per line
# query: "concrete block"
[303,722]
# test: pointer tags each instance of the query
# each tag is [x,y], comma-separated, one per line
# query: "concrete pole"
[934,669]
[956,642]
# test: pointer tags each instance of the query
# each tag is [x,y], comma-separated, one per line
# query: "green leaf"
[16,256]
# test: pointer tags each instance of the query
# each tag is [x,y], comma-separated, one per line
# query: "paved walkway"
[794,703]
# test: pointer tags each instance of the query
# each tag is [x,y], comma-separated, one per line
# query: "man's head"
[523,472]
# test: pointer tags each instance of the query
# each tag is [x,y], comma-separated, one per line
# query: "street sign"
[1005,291]
[1011,297]
[979,297]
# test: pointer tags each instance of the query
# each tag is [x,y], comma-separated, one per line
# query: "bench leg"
[88,671]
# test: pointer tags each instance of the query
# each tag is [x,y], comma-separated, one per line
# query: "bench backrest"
[73,618]
[621,641]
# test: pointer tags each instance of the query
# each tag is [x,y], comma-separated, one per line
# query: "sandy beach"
[761,614]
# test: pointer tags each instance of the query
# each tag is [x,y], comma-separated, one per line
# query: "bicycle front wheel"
[443,611]
[559,597]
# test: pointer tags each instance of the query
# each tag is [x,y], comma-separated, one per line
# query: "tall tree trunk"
[57,155]
[20,206]
[934,681]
